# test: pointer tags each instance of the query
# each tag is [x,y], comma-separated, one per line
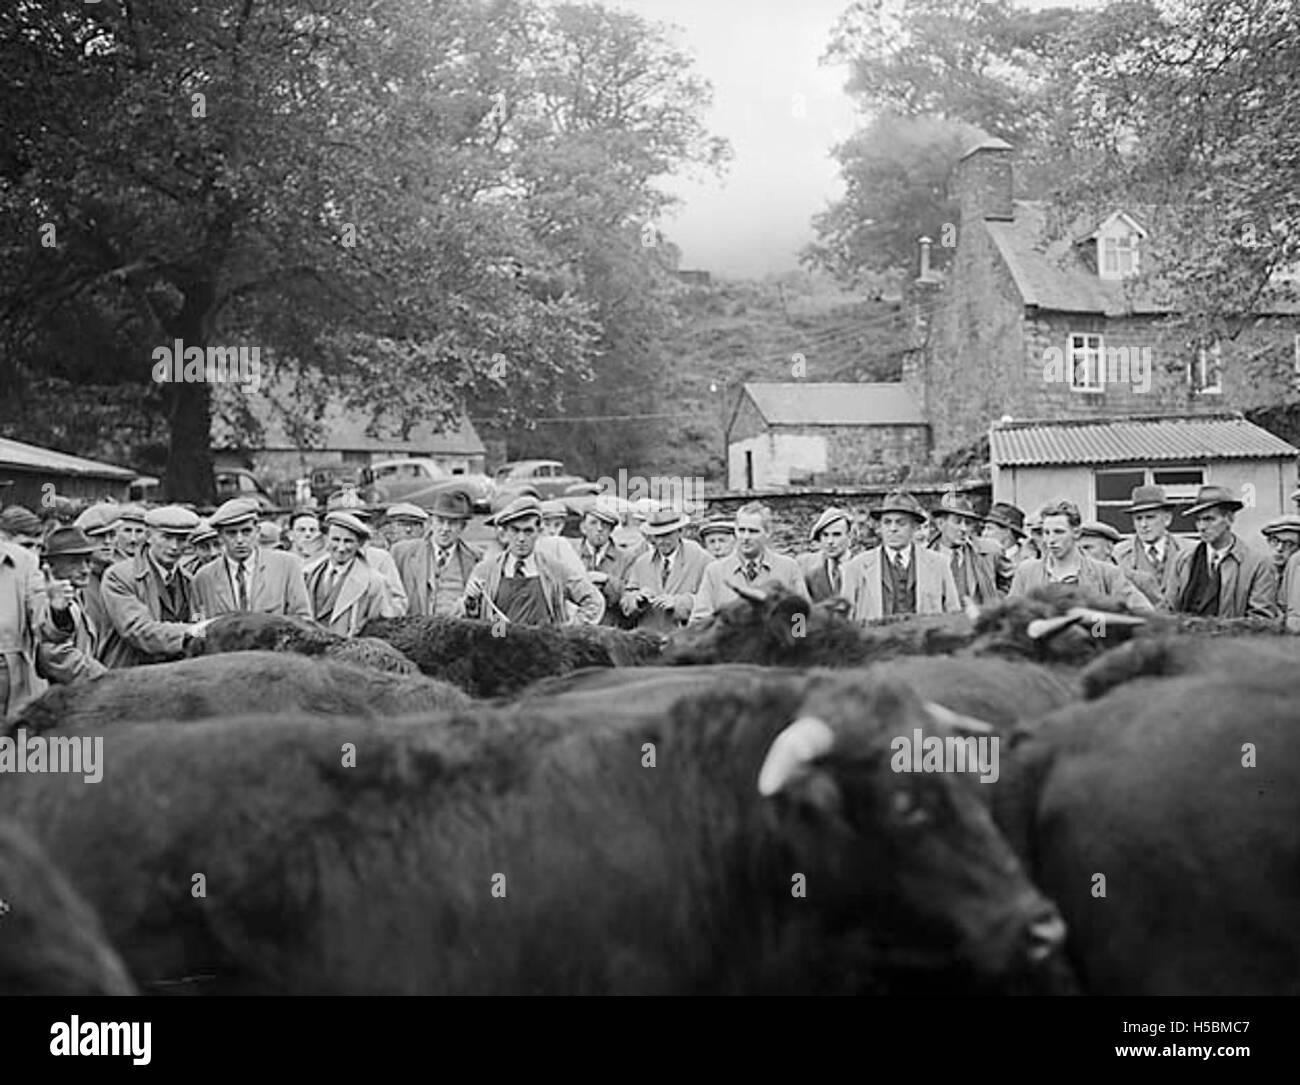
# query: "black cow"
[1152,788]
[1202,651]
[51,941]
[256,632]
[722,849]
[241,683]
[497,659]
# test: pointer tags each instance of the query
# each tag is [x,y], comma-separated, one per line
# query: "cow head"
[911,854]
[1055,624]
[772,627]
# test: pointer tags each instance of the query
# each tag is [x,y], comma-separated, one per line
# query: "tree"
[308,176]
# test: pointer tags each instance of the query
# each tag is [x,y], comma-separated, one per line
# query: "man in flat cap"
[435,568]
[248,577]
[899,576]
[129,532]
[974,561]
[527,583]
[149,598]
[1065,563]
[1221,576]
[607,564]
[403,522]
[69,641]
[380,560]
[99,524]
[343,588]
[1098,540]
[1153,550]
[1283,537]
[754,566]
[555,514]
[718,536]
[663,580]
[823,570]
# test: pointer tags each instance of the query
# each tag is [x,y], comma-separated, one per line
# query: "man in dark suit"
[823,570]
[606,562]
[974,561]
[248,577]
[662,583]
[1221,576]
[69,641]
[149,598]
[1153,550]
[436,568]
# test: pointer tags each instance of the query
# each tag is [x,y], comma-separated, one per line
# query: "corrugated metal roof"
[1134,440]
[17,456]
[840,404]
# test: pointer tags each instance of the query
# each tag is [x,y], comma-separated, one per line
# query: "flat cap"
[828,517]
[172,519]
[1288,522]
[518,509]
[553,509]
[20,520]
[403,510]
[238,510]
[205,532]
[605,511]
[717,527]
[98,519]
[954,504]
[346,520]
[346,498]
[134,514]
[1099,530]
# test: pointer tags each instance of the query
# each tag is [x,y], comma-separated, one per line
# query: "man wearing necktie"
[661,583]
[974,561]
[149,597]
[247,577]
[344,589]
[898,576]
[1221,576]
[754,566]
[823,570]
[1153,548]
[606,562]
[435,569]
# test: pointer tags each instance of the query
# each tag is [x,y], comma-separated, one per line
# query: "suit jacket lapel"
[926,577]
[354,586]
[873,568]
[225,590]
[423,560]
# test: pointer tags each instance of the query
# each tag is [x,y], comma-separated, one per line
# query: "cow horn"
[754,595]
[805,740]
[1088,614]
[955,721]
[1043,628]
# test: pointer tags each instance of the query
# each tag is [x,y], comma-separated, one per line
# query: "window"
[1113,488]
[1087,364]
[1206,373]
[1119,256]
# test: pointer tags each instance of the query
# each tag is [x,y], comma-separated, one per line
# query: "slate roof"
[799,403]
[1179,438]
[17,456]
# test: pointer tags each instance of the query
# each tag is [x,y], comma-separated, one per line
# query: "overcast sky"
[760,55]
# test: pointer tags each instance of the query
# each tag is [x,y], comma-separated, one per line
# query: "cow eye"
[907,809]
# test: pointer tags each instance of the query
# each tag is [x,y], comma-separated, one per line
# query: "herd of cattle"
[448,806]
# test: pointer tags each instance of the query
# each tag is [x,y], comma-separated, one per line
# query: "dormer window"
[1119,241]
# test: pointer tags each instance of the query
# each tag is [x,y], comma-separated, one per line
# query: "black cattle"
[1205,650]
[534,852]
[777,628]
[51,941]
[255,632]
[1150,787]
[241,683]
[498,659]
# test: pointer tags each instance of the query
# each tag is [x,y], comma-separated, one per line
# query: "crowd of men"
[124,586]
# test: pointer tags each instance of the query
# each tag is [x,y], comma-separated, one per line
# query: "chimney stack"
[925,244]
[984,181]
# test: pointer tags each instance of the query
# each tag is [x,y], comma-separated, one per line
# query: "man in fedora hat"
[1153,549]
[823,570]
[663,580]
[718,536]
[898,576]
[974,561]
[248,577]
[606,562]
[203,547]
[435,569]
[528,583]
[1063,562]
[343,588]
[1004,525]
[150,598]
[1283,537]
[69,640]
[754,566]
[1222,576]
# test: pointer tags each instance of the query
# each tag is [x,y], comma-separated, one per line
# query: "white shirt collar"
[530,564]
[905,554]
